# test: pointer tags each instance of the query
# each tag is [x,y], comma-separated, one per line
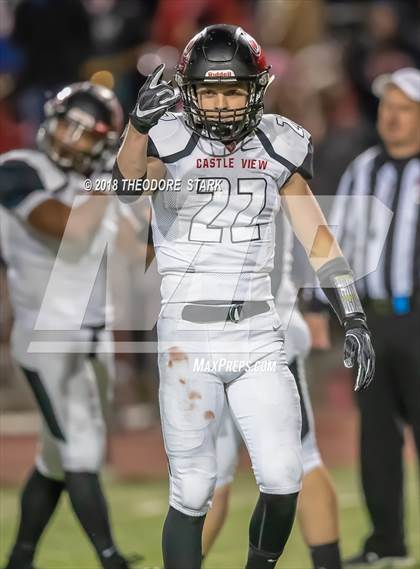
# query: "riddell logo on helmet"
[219,73]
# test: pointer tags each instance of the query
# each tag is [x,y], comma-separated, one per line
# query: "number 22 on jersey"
[235,210]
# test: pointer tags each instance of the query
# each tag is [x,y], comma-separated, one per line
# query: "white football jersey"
[50,287]
[214,235]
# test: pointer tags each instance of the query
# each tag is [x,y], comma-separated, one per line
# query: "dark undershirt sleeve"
[306,169]
[17,181]
[152,151]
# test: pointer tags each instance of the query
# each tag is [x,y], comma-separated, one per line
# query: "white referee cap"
[406,79]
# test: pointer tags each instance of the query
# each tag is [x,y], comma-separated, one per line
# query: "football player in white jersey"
[317,504]
[52,238]
[218,331]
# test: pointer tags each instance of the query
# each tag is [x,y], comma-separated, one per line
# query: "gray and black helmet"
[86,107]
[223,54]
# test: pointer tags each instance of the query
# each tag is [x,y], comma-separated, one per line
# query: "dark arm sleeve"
[152,151]
[306,169]
[17,181]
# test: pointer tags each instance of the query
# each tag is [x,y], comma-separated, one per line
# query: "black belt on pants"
[220,311]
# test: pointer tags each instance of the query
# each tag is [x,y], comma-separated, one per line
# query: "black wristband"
[357,321]
[128,191]
[336,279]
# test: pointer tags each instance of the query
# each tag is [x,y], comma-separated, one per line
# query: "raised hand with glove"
[154,99]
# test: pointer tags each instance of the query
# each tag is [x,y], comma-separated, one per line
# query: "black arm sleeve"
[17,181]
[306,169]
[151,148]
[128,191]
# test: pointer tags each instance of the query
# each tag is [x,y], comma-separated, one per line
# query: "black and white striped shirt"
[382,244]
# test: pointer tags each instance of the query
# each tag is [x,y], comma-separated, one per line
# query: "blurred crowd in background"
[324,54]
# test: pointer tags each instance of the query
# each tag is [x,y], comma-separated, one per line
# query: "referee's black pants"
[390,402]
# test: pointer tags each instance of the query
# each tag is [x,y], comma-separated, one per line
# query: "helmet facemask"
[81,127]
[225,125]
[61,139]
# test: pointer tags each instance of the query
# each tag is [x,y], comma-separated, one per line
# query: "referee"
[391,296]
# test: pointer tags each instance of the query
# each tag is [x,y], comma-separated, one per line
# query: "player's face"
[74,138]
[222,100]
[398,118]
[75,145]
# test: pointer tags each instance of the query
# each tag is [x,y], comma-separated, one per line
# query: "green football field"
[138,511]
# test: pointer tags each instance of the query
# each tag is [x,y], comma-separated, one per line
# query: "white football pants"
[72,391]
[200,365]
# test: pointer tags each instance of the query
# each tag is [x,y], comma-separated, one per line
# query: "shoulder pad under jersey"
[25,171]
[170,140]
[288,143]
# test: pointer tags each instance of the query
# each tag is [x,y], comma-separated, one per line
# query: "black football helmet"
[223,54]
[85,108]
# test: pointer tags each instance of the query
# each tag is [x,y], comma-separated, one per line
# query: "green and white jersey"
[52,285]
